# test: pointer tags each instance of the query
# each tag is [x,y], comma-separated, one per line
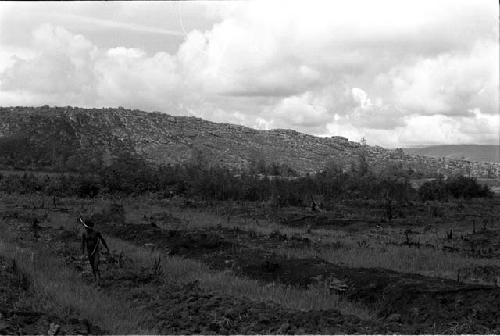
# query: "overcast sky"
[399,73]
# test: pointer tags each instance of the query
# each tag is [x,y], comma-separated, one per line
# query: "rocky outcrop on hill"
[70,138]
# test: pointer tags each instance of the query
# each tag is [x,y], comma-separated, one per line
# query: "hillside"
[68,137]
[478,153]
[71,138]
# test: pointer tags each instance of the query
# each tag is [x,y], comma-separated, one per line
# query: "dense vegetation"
[52,153]
[129,175]
[457,187]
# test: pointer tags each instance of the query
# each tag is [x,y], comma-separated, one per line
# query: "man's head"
[88,224]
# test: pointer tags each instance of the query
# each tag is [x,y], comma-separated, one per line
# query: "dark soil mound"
[464,309]
[324,220]
[193,310]
[187,243]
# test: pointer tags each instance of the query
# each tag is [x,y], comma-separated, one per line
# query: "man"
[314,206]
[90,240]
[36,228]
[388,208]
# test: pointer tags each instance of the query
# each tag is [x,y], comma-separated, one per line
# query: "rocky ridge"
[69,137]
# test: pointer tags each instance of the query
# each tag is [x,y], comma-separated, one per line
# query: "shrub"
[458,187]
[87,187]
[434,190]
[467,187]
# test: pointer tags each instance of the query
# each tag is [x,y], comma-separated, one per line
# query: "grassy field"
[128,305]
[181,270]
[374,248]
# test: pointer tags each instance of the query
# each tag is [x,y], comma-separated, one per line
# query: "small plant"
[276,234]
[121,260]
[156,269]
[362,244]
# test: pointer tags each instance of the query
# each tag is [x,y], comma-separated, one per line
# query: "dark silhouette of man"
[388,208]
[91,239]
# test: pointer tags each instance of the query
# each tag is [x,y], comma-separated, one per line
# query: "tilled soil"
[16,317]
[466,309]
[432,303]
[193,310]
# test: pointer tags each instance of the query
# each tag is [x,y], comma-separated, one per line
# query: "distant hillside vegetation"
[478,153]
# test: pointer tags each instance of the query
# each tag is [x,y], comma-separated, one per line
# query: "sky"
[398,73]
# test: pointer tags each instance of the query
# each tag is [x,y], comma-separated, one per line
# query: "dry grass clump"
[424,261]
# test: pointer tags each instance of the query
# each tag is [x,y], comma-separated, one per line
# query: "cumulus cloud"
[301,111]
[63,64]
[386,70]
[451,83]
[129,76]
[422,130]
[446,129]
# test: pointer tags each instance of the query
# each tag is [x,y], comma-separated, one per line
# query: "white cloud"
[420,130]
[301,111]
[63,65]
[446,129]
[451,83]
[130,76]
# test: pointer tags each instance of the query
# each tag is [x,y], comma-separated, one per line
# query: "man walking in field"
[90,240]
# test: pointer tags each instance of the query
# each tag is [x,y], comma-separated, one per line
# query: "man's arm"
[103,242]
